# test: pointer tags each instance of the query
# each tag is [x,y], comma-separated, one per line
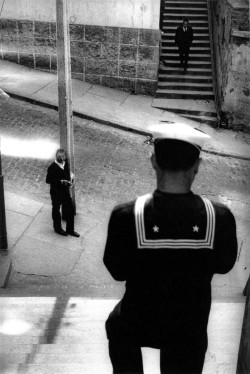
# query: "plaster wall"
[229,22]
[142,14]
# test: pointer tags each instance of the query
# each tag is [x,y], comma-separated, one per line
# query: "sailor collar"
[146,241]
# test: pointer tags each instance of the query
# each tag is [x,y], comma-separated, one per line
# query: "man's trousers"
[184,55]
[179,354]
[68,212]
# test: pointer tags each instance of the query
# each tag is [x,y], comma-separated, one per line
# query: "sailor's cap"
[179,131]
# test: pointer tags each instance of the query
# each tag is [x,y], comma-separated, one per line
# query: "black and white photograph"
[124,187]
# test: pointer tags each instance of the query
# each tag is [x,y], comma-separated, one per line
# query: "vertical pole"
[64,84]
[3,230]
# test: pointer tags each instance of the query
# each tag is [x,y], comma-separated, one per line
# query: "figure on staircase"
[183,39]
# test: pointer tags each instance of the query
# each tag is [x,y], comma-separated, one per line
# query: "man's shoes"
[61,232]
[73,233]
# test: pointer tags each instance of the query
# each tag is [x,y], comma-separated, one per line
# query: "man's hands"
[66,183]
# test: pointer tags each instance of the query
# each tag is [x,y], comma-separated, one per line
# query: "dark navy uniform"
[167,247]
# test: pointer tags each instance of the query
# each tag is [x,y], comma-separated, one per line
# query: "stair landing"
[197,110]
[66,335]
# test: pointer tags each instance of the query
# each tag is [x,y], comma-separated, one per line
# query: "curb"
[112,124]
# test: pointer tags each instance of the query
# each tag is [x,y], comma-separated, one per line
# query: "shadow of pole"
[50,332]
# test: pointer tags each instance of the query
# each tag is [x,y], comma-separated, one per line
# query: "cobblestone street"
[111,166]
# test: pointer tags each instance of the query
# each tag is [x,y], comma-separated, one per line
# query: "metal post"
[3,230]
[64,84]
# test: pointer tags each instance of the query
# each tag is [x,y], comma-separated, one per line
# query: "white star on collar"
[156,228]
[195,228]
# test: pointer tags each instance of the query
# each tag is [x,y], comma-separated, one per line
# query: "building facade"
[230,44]
[113,43]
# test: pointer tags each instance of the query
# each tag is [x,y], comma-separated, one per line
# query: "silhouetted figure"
[183,39]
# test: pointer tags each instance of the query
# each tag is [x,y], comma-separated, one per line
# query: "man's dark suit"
[184,39]
[60,195]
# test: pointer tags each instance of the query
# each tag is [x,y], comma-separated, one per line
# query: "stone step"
[187,1]
[50,348]
[80,344]
[191,17]
[169,42]
[191,64]
[37,340]
[192,56]
[176,23]
[197,31]
[175,9]
[187,78]
[197,37]
[191,70]
[182,107]
[90,354]
[185,86]
[71,368]
[186,4]
[192,94]
[192,51]
[202,119]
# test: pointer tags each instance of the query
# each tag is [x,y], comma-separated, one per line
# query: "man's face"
[60,157]
[185,24]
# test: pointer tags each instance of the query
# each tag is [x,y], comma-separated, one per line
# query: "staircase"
[66,335]
[50,335]
[190,94]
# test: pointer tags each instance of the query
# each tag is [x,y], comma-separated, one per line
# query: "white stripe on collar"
[143,242]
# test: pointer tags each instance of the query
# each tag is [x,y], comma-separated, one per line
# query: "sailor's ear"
[153,160]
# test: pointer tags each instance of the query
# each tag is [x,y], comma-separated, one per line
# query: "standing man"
[60,180]
[183,39]
[167,246]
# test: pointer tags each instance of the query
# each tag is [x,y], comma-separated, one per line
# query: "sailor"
[167,245]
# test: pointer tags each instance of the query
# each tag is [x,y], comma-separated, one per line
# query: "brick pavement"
[102,165]
[110,166]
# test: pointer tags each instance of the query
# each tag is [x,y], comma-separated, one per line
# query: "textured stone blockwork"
[230,39]
[116,57]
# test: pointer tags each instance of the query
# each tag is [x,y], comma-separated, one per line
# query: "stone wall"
[243,365]
[123,58]
[229,31]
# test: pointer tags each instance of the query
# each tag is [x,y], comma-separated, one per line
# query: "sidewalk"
[111,107]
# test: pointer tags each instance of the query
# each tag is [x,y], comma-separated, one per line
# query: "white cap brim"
[179,131]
